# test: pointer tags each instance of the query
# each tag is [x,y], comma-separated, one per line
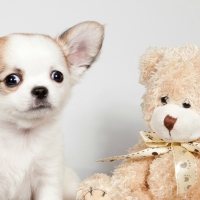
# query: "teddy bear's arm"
[128,181]
[129,177]
[133,173]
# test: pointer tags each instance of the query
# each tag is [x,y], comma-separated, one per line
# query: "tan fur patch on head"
[4,71]
[3,41]
[177,76]
[3,88]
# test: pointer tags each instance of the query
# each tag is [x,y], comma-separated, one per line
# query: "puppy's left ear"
[81,45]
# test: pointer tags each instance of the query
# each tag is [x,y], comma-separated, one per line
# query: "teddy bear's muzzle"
[174,123]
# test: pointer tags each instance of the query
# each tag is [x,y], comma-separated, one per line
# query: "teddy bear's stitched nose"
[169,122]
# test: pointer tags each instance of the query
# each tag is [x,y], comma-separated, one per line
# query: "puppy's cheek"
[54,101]
[5,90]
[58,95]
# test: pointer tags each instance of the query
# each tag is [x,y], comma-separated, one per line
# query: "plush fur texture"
[171,108]
[37,73]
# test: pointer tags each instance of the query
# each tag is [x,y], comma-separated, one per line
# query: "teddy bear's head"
[171,105]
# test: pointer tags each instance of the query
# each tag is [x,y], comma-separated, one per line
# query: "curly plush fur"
[172,74]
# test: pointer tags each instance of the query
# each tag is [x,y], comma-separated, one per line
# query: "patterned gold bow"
[185,163]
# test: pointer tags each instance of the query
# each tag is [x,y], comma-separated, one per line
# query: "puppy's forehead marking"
[32,52]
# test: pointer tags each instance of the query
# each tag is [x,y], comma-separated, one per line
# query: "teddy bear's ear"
[148,63]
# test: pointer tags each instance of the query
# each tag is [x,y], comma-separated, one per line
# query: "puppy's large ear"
[81,45]
[148,63]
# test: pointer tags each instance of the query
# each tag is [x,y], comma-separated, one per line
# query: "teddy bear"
[165,163]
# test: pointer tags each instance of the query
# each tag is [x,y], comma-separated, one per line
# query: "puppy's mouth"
[40,105]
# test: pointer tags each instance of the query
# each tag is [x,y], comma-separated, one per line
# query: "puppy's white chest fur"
[24,164]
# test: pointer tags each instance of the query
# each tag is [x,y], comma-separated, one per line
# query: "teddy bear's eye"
[186,105]
[164,100]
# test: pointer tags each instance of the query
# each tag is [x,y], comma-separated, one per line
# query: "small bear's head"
[171,104]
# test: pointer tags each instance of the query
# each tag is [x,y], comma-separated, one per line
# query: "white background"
[103,117]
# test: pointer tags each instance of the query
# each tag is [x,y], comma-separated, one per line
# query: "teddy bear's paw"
[96,194]
[94,187]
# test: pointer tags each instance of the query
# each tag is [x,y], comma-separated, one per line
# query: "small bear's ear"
[81,45]
[148,63]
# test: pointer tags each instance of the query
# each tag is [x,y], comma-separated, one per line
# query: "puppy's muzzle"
[40,92]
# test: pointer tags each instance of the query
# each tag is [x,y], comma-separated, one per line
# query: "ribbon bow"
[184,160]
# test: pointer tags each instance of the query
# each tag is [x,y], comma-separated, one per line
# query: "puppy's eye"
[12,80]
[164,100]
[186,105]
[57,76]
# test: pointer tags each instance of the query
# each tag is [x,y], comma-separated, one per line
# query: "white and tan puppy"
[36,76]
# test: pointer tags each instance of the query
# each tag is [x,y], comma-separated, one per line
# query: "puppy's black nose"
[40,92]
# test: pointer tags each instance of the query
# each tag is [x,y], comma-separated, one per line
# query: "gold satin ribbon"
[184,160]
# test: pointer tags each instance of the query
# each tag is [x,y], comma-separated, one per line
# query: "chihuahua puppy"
[37,73]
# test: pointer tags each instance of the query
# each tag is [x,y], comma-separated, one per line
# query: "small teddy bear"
[165,164]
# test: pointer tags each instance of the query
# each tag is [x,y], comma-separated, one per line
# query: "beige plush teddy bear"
[165,164]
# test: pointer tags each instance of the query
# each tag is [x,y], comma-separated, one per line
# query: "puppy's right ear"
[81,45]
[149,62]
